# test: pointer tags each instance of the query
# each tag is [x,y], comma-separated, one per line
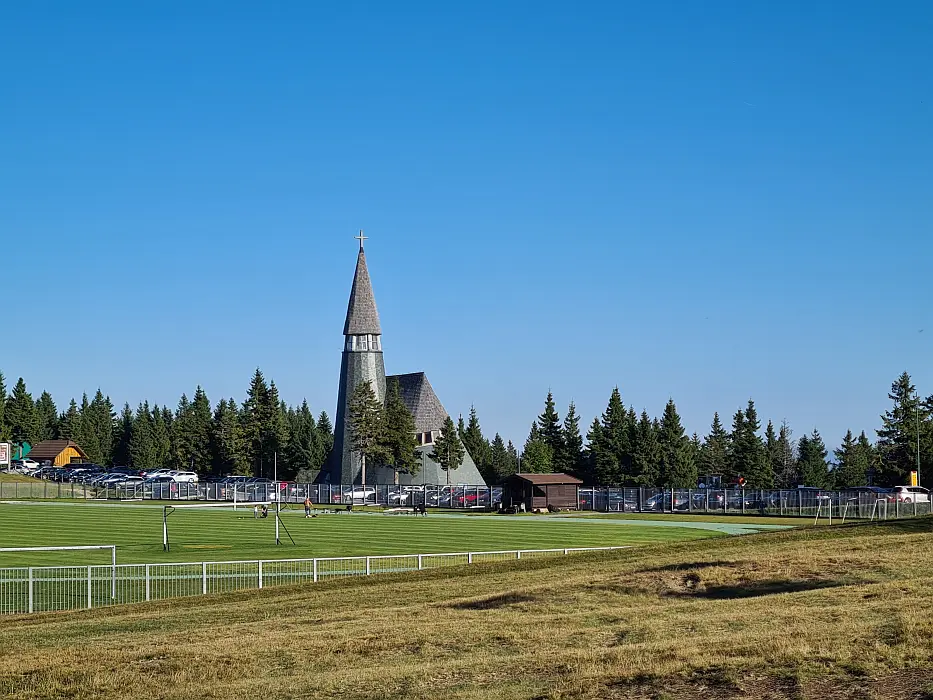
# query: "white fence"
[49,588]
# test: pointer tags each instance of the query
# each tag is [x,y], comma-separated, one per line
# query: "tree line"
[258,437]
[620,448]
[626,448]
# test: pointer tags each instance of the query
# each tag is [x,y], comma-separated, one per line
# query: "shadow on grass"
[756,589]
[496,601]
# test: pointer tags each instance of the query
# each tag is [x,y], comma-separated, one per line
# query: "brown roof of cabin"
[50,449]
[542,479]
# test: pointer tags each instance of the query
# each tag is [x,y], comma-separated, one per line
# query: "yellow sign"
[913,479]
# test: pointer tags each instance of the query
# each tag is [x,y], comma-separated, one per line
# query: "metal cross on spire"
[361,238]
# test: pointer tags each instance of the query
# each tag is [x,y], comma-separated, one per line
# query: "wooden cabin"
[538,491]
[58,453]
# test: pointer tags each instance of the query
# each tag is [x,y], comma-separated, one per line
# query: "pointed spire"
[362,316]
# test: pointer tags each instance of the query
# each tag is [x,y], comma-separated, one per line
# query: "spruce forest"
[621,447]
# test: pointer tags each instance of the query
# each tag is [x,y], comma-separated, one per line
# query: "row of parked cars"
[112,477]
[627,500]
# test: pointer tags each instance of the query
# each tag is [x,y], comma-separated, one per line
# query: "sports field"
[214,534]
[839,613]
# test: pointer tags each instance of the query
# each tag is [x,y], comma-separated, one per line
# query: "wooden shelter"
[538,491]
[58,453]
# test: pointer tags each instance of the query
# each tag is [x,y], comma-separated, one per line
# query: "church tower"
[361,361]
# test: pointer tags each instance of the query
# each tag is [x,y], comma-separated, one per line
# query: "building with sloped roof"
[361,361]
[58,453]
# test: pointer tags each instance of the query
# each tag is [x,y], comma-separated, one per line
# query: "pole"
[278,508]
[918,437]
[164,529]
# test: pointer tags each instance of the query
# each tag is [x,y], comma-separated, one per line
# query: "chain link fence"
[859,503]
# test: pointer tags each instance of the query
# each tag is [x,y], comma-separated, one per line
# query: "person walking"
[307,507]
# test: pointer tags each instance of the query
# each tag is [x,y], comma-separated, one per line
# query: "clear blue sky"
[710,201]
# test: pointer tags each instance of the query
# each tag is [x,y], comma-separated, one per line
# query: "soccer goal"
[53,582]
[260,510]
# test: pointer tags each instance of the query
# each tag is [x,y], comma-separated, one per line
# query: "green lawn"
[215,534]
[18,479]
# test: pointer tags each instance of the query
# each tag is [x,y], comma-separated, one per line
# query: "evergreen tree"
[851,466]
[513,458]
[21,415]
[537,457]
[191,433]
[400,445]
[97,421]
[897,437]
[500,463]
[325,432]
[255,421]
[549,427]
[4,427]
[304,446]
[814,470]
[786,474]
[646,463]
[593,455]
[866,456]
[182,435]
[714,453]
[678,469]
[570,459]
[448,450]
[275,435]
[69,423]
[142,450]
[48,417]
[123,437]
[367,425]
[227,450]
[478,447]
[736,465]
[161,427]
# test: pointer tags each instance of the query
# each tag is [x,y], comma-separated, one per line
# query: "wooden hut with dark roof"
[538,491]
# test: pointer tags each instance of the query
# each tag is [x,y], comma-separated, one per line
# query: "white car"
[29,465]
[910,494]
[185,477]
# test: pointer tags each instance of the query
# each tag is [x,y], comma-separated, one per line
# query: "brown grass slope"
[844,612]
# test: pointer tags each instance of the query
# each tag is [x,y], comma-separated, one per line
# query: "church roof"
[418,394]
[362,316]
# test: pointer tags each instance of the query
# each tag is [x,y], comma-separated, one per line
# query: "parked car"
[185,477]
[909,494]
[358,495]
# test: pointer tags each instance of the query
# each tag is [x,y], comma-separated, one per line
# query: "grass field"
[18,478]
[821,613]
[214,534]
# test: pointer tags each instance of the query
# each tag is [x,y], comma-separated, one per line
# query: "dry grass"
[821,613]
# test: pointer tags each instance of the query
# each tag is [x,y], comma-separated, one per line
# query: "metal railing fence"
[52,588]
[786,502]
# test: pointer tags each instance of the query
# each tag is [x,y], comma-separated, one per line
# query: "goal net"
[220,525]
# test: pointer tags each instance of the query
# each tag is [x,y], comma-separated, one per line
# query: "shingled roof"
[418,394]
[362,316]
[48,450]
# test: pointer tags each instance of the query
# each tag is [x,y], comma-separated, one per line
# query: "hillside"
[845,612]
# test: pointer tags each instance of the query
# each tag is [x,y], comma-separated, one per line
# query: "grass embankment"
[842,612]
[9,478]
[215,534]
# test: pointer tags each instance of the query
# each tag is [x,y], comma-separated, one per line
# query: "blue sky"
[704,201]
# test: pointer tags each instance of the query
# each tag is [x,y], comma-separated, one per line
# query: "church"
[362,361]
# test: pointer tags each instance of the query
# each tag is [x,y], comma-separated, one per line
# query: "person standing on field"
[307,507]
